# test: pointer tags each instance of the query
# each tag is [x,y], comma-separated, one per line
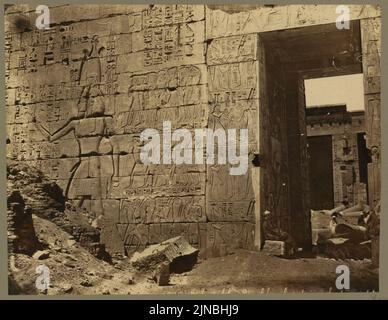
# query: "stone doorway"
[286,59]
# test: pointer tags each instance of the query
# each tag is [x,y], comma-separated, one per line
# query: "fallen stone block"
[344,248]
[354,233]
[320,235]
[177,251]
[276,248]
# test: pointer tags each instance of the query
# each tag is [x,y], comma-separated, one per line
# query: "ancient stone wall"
[345,154]
[233,100]
[371,47]
[80,93]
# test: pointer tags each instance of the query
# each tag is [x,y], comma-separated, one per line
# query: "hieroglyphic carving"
[8,37]
[162,210]
[166,78]
[86,105]
[221,23]
[89,128]
[233,82]
[167,34]
[48,36]
[222,238]
[160,232]
[231,211]
[232,91]
[371,48]
[232,49]
[133,235]
[65,44]
[179,185]
[346,176]
[110,75]
[372,120]
[168,14]
[163,37]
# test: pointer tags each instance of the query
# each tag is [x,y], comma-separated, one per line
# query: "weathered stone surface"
[20,228]
[177,252]
[221,23]
[232,49]
[276,248]
[222,238]
[344,144]
[80,94]
[161,274]
[45,199]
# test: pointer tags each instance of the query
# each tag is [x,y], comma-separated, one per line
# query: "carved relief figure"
[91,176]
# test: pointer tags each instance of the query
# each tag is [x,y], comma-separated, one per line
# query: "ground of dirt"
[255,272]
[79,265]
[74,271]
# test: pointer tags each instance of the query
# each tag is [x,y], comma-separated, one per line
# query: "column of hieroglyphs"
[371,55]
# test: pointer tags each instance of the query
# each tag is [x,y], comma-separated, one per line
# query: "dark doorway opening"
[363,159]
[320,157]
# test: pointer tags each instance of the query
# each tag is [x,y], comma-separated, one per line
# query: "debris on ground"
[61,239]
[344,232]
[276,248]
[177,251]
[174,255]
[21,233]
[45,199]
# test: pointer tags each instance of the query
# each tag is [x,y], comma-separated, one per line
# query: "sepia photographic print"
[192,148]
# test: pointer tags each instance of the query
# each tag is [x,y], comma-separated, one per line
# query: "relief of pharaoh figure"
[91,177]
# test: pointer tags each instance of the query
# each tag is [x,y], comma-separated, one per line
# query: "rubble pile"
[346,232]
[72,268]
[45,199]
[21,232]
[174,255]
[44,229]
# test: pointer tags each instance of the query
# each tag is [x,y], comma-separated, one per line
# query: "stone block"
[176,251]
[276,248]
